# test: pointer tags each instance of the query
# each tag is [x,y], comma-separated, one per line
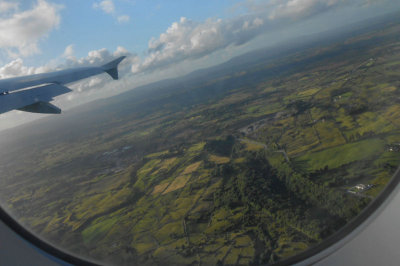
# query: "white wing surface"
[33,93]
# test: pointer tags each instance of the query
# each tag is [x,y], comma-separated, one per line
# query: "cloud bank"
[188,40]
[21,31]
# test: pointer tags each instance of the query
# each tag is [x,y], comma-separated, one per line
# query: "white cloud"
[123,19]
[294,9]
[69,52]
[17,68]
[106,5]
[300,9]
[188,39]
[120,51]
[21,32]
[6,6]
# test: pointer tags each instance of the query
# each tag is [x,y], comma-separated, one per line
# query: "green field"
[344,154]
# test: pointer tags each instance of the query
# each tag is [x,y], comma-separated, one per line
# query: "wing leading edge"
[42,88]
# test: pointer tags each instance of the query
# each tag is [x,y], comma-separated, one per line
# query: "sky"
[162,39]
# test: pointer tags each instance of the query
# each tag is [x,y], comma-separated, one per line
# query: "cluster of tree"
[299,106]
[222,147]
[330,178]
[357,107]
[252,183]
[335,202]
[340,91]
[291,200]
[357,136]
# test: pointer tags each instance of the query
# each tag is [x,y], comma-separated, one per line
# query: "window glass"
[239,132]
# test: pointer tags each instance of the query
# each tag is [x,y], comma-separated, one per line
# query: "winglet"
[111,67]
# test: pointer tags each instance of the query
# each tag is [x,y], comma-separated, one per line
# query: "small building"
[361,187]
[394,147]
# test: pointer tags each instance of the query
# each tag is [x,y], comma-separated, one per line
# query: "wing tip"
[112,67]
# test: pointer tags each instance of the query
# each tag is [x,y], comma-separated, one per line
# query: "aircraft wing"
[33,100]
[33,93]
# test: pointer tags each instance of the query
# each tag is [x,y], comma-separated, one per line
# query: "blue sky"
[89,28]
[162,39]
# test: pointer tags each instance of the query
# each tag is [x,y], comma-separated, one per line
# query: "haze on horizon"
[162,40]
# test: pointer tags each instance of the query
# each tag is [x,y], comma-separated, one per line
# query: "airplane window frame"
[41,244]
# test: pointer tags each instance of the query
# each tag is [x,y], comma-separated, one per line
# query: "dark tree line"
[291,201]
